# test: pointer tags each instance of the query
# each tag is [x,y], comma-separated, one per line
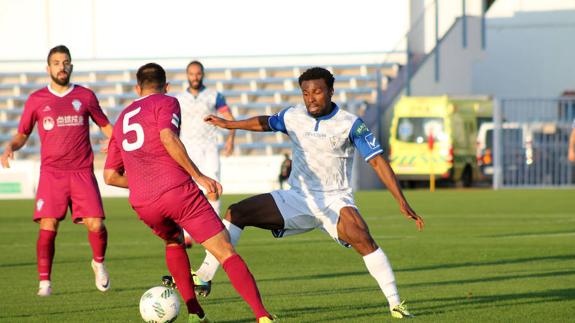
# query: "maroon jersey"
[63,126]
[136,148]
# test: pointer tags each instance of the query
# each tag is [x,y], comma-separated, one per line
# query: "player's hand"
[215,121]
[8,154]
[409,213]
[228,147]
[104,145]
[572,155]
[213,188]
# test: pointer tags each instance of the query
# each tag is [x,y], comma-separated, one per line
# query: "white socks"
[210,265]
[380,269]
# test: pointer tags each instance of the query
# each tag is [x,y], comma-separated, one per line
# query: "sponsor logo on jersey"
[314,134]
[361,129]
[77,105]
[371,141]
[39,204]
[47,109]
[48,123]
[70,121]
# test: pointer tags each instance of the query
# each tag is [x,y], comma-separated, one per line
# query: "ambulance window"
[417,130]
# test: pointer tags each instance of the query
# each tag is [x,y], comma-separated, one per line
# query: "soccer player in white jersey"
[200,138]
[324,139]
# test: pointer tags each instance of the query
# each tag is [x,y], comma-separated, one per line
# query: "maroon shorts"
[184,207]
[58,190]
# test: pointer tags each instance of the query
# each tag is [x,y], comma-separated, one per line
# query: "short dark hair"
[194,62]
[316,73]
[151,75]
[59,49]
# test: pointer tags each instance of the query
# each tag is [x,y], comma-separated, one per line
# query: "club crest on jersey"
[48,123]
[39,204]
[77,105]
[334,142]
[47,109]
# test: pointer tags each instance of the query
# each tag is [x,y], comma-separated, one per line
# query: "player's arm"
[114,177]
[370,149]
[229,144]
[572,144]
[114,173]
[177,151]
[107,131]
[224,111]
[387,176]
[15,144]
[259,123]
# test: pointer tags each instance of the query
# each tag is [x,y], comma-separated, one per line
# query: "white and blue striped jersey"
[323,148]
[194,131]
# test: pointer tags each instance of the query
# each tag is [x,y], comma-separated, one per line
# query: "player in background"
[285,170]
[146,156]
[324,139]
[200,138]
[67,176]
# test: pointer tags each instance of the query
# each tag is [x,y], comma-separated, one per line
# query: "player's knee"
[50,224]
[175,241]
[226,251]
[235,215]
[364,243]
[94,224]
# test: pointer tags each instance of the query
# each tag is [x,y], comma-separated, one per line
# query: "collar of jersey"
[199,92]
[61,95]
[331,114]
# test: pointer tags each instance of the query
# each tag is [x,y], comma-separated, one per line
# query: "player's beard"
[196,85]
[61,81]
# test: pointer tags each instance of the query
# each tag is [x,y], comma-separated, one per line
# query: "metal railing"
[530,142]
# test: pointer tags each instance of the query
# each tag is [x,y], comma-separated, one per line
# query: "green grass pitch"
[484,256]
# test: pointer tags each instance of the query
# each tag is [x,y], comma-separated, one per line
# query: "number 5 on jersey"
[127,127]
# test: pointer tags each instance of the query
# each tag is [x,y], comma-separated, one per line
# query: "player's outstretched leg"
[98,238]
[379,267]
[238,273]
[353,229]
[45,249]
[210,265]
[179,266]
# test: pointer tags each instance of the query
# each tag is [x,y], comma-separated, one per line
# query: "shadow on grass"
[453,304]
[493,278]
[43,315]
[488,263]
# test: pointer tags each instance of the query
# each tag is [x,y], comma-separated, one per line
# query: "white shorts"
[207,159]
[303,213]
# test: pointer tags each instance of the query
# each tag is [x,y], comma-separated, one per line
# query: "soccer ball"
[159,305]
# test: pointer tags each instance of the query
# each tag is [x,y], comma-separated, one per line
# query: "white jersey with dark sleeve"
[195,132]
[323,148]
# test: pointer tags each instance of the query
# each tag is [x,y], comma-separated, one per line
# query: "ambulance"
[436,136]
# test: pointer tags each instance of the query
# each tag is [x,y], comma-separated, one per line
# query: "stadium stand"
[249,91]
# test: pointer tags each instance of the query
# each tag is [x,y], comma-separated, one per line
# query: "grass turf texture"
[485,256]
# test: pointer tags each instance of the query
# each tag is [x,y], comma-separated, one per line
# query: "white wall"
[529,53]
[455,63]
[529,49]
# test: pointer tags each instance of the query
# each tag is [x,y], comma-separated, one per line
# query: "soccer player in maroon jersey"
[146,155]
[67,177]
